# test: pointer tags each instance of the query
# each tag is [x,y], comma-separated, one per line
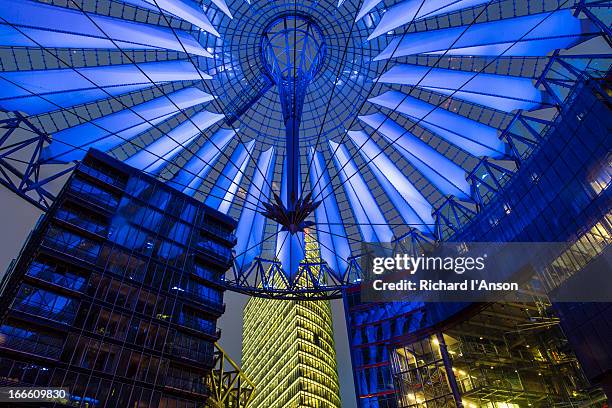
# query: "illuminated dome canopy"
[318,125]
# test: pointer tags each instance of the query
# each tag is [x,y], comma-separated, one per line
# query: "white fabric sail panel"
[191,175]
[366,7]
[59,80]
[290,248]
[447,176]
[111,130]
[186,9]
[333,241]
[37,24]
[223,7]
[250,230]
[533,35]
[474,137]
[409,10]
[408,201]
[501,92]
[156,155]
[290,251]
[370,219]
[224,191]
[43,90]
[34,105]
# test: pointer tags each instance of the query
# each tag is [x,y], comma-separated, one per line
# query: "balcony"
[210,304]
[214,250]
[29,342]
[183,381]
[82,222]
[97,174]
[219,232]
[42,310]
[82,254]
[199,325]
[93,194]
[201,358]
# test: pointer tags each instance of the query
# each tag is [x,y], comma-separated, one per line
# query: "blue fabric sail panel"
[533,35]
[290,251]
[32,24]
[408,201]
[190,176]
[290,248]
[252,223]
[223,7]
[472,136]
[39,91]
[35,105]
[409,10]
[366,7]
[156,155]
[333,242]
[186,9]
[505,93]
[370,219]
[111,130]
[447,176]
[223,193]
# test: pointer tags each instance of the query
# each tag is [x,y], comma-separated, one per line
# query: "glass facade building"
[116,293]
[288,352]
[539,353]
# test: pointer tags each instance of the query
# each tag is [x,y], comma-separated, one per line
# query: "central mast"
[293,51]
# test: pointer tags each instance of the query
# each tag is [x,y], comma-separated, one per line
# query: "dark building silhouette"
[116,293]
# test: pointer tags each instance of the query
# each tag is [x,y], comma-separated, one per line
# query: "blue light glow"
[37,24]
[111,130]
[474,137]
[534,35]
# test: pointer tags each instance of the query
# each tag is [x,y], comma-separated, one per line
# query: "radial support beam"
[333,242]
[474,137]
[501,92]
[111,130]
[409,10]
[408,201]
[186,9]
[155,156]
[190,176]
[448,177]
[369,217]
[33,24]
[534,35]
[223,193]
[250,228]
[35,92]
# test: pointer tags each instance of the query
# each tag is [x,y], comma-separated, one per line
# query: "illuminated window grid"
[288,351]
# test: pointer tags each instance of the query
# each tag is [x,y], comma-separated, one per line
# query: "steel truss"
[228,384]
[23,172]
[21,168]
